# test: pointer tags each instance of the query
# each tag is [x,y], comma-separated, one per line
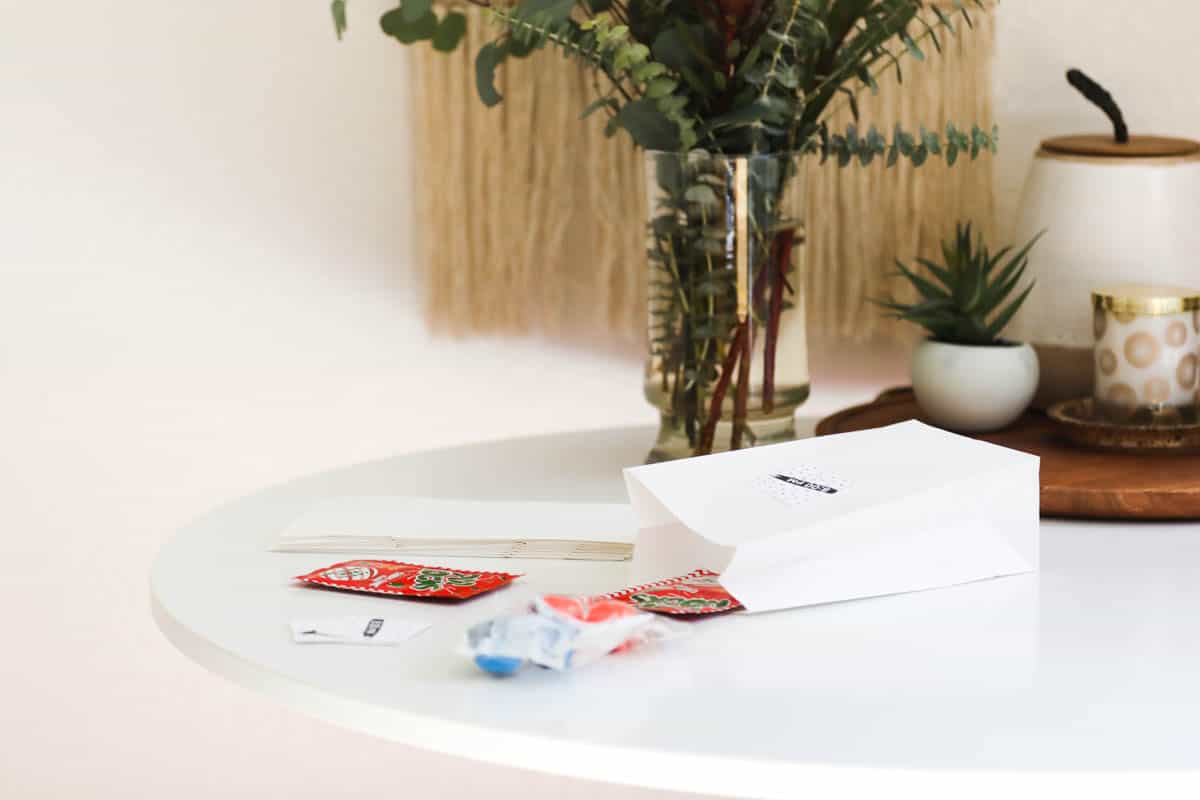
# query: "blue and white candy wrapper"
[560,632]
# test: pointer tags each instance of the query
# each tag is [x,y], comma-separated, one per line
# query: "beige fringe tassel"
[533,222]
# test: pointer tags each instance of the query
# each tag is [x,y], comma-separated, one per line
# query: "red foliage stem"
[782,251]
[742,396]
[759,284]
[708,433]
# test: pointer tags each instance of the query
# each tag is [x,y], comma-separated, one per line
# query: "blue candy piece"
[499,665]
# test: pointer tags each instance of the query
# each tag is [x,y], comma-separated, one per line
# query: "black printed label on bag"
[799,486]
[803,484]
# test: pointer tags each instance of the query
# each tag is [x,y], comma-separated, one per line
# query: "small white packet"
[355,630]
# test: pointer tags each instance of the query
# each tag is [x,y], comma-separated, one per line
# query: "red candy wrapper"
[697,592]
[407,580]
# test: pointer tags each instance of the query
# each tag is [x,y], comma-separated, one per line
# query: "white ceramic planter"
[971,388]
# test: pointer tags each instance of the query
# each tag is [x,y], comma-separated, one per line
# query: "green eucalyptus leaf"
[844,153]
[932,143]
[703,195]
[413,10]
[668,49]
[669,174]
[648,71]
[543,12]
[407,31]
[490,56]
[876,141]
[863,73]
[661,87]
[787,76]
[450,32]
[852,99]
[741,116]
[943,18]
[678,47]
[629,55]
[670,104]
[752,56]
[649,127]
[338,10]
[911,45]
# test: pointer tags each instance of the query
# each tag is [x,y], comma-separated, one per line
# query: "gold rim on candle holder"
[1146,300]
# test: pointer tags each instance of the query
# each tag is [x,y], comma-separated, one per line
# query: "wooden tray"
[1076,482]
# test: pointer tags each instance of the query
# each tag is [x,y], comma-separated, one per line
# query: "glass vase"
[727,364]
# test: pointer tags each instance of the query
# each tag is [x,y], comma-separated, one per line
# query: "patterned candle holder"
[1146,354]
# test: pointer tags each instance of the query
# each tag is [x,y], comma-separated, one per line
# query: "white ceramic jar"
[973,388]
[1113,214]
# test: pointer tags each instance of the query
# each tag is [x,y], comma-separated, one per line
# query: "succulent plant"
[963,300]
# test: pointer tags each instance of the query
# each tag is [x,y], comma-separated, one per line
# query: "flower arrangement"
[728,76]
[724,95]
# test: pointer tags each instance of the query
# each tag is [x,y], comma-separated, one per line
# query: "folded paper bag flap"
[670,550]
[664,546]
[738,498]
[973,530]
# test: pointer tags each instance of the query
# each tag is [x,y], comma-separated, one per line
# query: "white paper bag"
[875,512]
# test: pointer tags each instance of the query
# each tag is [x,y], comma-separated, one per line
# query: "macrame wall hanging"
[532,222]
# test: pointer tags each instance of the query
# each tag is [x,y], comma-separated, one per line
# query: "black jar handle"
[1100,96]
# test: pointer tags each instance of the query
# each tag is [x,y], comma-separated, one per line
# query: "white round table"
[1093,664]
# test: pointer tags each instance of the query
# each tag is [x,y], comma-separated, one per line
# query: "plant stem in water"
[741,396]
[782,256]
[718,393]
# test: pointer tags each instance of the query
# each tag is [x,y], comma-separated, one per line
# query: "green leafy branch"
[680,75]
[809,55]
[864,65]
[647,105]
[413,21]
[919,148]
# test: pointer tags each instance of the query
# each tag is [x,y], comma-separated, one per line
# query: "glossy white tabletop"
[1093,664]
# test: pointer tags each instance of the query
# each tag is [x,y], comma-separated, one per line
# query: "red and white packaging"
[407,580]
[698,592]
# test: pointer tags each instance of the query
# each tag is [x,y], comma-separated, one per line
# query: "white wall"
[204,228]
